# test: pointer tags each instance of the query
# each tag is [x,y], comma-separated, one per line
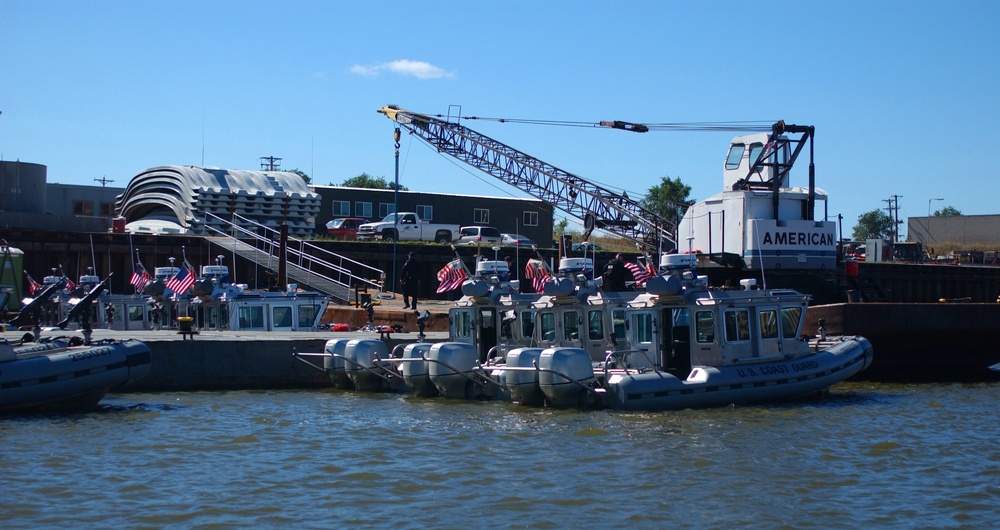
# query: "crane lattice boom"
[596,206]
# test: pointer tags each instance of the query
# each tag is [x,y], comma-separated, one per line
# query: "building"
[192,200]
[972,230]
[532,218]
[203,200]
[27,200]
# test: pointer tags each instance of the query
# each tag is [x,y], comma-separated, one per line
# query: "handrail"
[303,260]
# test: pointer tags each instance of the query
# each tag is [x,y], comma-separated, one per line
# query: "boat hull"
[751,382]
[54,376]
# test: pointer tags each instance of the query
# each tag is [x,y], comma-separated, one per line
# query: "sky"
[905,96]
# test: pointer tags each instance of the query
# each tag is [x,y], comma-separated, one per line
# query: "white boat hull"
[714,386]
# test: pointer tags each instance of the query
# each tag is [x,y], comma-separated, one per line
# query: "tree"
[947,211]
[301,174]
[365,180]
[875,224]
[668,199]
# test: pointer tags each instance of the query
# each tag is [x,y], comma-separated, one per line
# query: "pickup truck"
[408,228]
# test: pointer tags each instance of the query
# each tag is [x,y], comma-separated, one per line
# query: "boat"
[676,344]
[216,304]
[64,373]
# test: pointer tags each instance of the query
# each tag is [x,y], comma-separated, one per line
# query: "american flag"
[451,276]
[640,273]
[535,269]
[69,285]
[182,282]
[33,286]
[139,279]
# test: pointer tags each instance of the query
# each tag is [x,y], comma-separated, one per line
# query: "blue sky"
[903,95]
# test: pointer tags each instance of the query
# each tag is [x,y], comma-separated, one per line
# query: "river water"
[866,454]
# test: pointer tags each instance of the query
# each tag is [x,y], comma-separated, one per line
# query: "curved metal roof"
[184,199]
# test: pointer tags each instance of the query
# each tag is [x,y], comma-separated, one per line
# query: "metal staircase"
[306,264]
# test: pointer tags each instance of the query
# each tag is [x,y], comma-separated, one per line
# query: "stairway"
[336,290]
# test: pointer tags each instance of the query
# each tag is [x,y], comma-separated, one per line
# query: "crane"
[598,207]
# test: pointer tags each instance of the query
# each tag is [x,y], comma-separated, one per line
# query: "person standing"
[614,274]
[409,277]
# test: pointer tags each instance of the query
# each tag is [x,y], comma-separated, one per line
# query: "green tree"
[365,180]
[947,211]
[300,173]
[668,199]
[560,227]
[875,224]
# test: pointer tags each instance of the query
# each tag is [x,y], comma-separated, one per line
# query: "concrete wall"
[983,230]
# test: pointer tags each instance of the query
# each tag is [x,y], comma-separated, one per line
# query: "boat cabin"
[715,328]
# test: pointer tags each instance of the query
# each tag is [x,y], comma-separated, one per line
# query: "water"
[872,455]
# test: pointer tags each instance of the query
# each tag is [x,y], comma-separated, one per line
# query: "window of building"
[363,209]
[481,216]
[83,208]
[385,208]
[341,208]
[529,219]
[425,212]
[107,209]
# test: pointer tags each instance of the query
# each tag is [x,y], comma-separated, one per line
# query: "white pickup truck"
[409,227]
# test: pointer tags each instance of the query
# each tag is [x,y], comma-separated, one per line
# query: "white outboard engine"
[571,366]
[523,384]
[453,363]
[361,356]
[416,374]
[335,367]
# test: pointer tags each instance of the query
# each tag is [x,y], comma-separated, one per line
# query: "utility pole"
[104,181]
[270,163]
[893,210]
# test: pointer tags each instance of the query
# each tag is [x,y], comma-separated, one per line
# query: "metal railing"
[315,266]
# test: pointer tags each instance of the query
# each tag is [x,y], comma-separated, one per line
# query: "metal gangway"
[306,264]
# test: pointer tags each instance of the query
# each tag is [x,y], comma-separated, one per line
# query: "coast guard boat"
[678,344]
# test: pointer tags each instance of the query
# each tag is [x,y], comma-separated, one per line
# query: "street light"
[929,205]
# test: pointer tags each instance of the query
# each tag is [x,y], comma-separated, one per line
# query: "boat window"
[595,324]
[705,321]
[135,313]
[307,315]
[251,317]
[527,323]
[642,328]
[737,325]
[463,324]
[548,326]
[282,317]
[755,149]
[735,155]
[618,321]
[790,317]
[571,326]
[768,324]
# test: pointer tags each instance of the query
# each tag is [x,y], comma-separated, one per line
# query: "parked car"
[516,240]
[408,226]
[587,246]
[344,227]
[479,235]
